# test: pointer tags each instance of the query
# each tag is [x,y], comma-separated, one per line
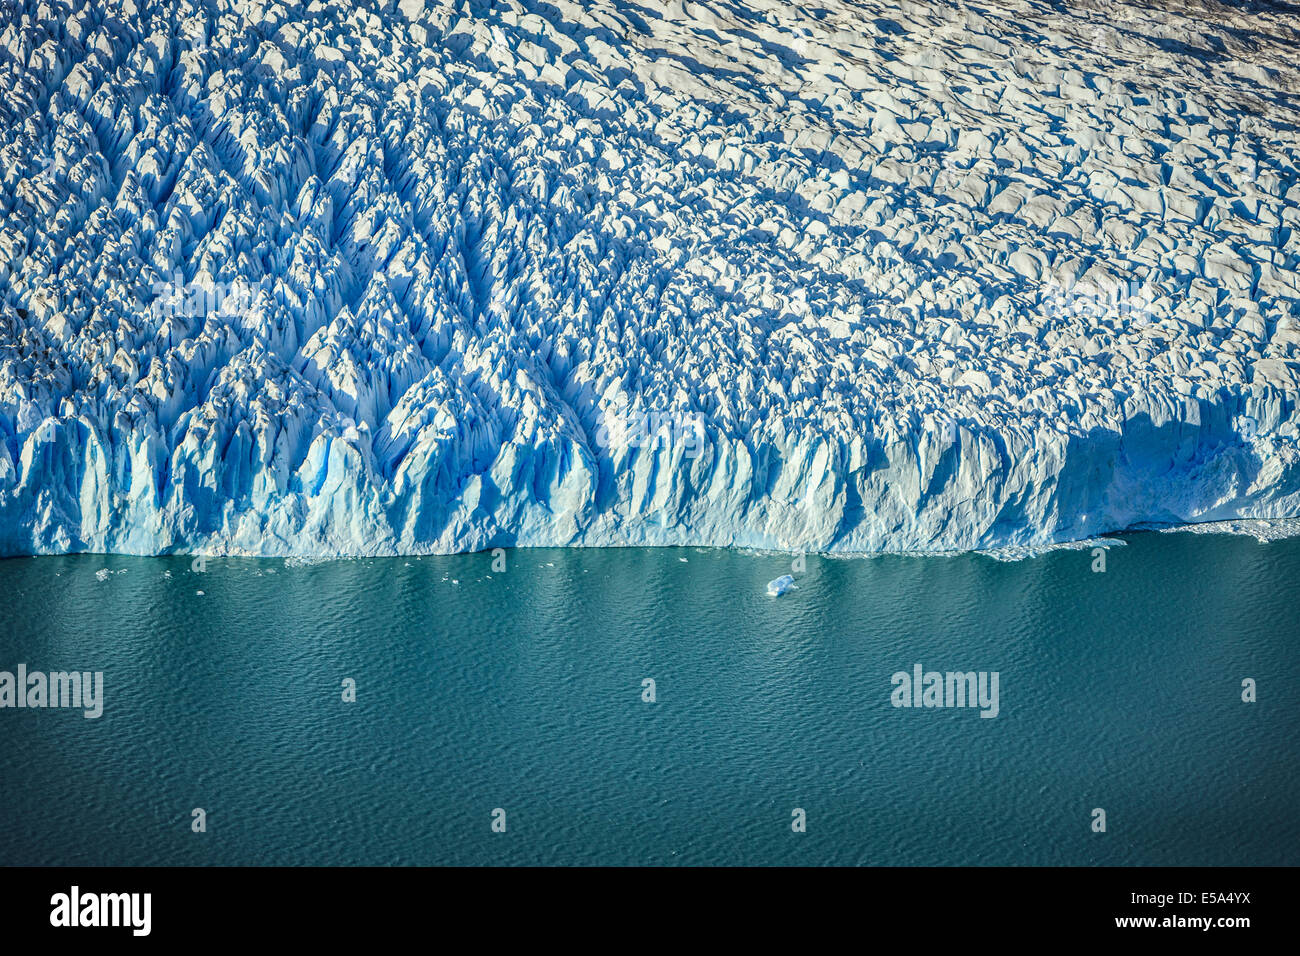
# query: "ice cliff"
[334,278]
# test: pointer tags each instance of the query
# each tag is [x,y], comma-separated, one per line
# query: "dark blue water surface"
[522,690]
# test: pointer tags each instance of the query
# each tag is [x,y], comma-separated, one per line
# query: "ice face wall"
[354,278]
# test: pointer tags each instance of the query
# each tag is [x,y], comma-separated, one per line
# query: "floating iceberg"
[782,584]
[424,276]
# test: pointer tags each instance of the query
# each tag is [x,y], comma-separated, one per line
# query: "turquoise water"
[522,690]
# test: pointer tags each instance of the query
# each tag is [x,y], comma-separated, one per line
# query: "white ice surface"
[780,585]
[884,276]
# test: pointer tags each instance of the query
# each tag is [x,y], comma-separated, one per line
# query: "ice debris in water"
[360,278]
[782,584]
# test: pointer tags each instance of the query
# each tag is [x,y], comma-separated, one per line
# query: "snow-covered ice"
[346,278]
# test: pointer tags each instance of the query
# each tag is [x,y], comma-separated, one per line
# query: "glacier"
[317,279]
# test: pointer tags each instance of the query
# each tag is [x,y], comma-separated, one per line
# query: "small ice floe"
[102,575]
[782,584]
[683,560]
[199,593]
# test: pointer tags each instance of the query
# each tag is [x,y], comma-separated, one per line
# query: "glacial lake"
[524,690]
